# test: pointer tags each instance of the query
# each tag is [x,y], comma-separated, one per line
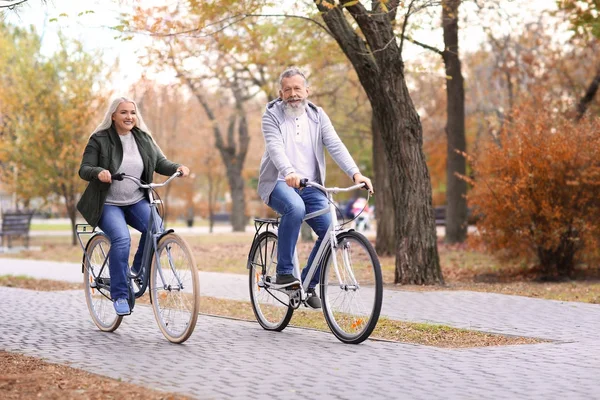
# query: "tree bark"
[585,101]
[232,154]
[234,165]
[456,209]
[384,202]
[380,68]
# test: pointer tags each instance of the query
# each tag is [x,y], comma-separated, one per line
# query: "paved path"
[234,359]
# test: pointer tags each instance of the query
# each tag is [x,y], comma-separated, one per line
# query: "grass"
[386,329]
[65,227]
[463,269]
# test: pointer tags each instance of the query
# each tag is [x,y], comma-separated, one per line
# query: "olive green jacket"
[105,151]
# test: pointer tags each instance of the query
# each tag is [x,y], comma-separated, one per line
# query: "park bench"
[15,224]
[440,216]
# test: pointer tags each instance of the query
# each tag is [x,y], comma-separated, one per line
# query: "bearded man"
[296,133]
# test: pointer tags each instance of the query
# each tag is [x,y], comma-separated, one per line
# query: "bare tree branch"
[11,4]
[404,24]
[229,21]
[425,46]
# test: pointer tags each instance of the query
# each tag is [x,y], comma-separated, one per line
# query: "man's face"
[294,92]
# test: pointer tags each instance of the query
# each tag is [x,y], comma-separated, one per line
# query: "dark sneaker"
[285,279]
[313,300]
[122,307]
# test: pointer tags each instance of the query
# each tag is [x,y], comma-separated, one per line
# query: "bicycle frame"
[155,232]
[329,241]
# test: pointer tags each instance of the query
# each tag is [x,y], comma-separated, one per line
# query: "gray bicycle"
[168,269]
[350,286]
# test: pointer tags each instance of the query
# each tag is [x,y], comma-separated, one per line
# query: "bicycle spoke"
[96,283]
[352,293]
[271,307]
[174,288]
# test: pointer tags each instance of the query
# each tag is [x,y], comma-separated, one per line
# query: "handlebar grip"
[303,182]
[117,177]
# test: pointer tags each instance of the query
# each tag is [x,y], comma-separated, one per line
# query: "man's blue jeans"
[293,204]
[113,222]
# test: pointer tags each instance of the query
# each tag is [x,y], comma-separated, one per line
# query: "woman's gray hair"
[114,104]
[292,71]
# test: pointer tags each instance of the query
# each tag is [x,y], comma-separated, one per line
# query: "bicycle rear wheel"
[352,303]
[96,281]
[271,307]
[175,288]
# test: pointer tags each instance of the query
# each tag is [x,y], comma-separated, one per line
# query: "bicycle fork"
[346,267]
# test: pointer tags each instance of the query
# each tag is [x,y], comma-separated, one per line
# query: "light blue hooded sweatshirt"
[275,160]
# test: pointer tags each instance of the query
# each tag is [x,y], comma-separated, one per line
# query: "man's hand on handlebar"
[293,180]
[360,178]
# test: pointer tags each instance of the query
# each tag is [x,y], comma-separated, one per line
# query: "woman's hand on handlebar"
[185,171]
[360,178]
[104,176]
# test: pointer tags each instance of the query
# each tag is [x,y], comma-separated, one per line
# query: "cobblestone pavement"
[234,359]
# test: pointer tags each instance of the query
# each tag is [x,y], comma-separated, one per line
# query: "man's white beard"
[294,111]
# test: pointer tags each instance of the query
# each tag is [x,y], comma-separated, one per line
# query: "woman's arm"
[89,168]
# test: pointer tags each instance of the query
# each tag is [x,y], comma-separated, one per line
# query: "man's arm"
[274,145]
[339,152]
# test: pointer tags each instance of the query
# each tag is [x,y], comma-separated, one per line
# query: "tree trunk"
[377,60]
[72,213]
[585,101]
[456,209]
[417,260]
[233,153]
[384,203]
[238,201]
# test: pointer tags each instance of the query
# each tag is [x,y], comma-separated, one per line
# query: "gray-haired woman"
[121,144]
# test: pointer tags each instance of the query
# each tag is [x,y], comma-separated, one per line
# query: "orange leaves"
[539,189]
[330,5]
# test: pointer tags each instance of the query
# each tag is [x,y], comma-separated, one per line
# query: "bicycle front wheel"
[96,282]
[175,288]
[271,307]
[352,295]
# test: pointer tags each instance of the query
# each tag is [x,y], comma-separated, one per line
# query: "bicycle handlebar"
[306,183]
[120,176]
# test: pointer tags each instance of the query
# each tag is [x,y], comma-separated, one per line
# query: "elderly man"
[296,133]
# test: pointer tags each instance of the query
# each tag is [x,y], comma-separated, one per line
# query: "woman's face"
[124,117]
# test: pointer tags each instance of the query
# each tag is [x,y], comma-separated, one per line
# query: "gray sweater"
[127,192]
[275,160]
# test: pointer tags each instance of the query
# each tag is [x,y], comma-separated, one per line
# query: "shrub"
[537,189]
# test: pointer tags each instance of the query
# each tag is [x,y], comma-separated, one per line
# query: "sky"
[92,29]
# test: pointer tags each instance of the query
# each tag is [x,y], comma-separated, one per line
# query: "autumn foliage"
[537,188]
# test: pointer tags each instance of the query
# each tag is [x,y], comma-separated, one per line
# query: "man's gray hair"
[292,71]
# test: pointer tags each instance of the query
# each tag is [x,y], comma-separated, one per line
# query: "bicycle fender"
[86,248]
[255,243]
[164,234]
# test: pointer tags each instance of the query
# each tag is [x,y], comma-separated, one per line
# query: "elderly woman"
[121,144]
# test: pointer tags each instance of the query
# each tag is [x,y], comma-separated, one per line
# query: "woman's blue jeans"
[293,204]
[113,222]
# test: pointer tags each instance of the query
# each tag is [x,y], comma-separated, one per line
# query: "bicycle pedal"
[288,286]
